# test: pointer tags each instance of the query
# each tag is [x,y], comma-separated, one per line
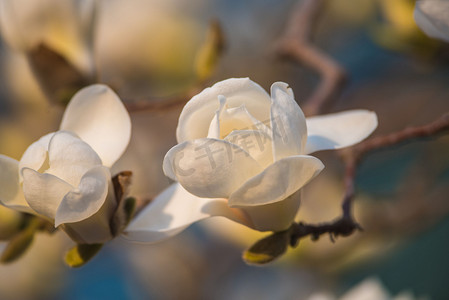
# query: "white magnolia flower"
[369,289]
[65,26]
[244,155]
[432,16]
[65,176]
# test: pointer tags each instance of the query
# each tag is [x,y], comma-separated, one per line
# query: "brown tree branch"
[346,225]
[155,105]
[408,134]
[343,226]
[161,104]
[295,44]
[353,155]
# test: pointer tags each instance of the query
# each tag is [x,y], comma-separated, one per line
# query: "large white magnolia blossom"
[65,26]
[65,176]
[244,155]
[432,16]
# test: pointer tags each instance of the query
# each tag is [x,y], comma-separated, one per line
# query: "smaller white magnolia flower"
[65,175]
[65,26]
[243,154]
[432,16]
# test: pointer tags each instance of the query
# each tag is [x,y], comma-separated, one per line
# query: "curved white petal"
[44,192]
[11,194]
[433,18]
[96,228]
[227,120]
[36,154]
[174,210]
[288,123]
[276,216]
[256,143]
[84,201]
[277,182]
[339,130]
[214,126]
[69,157]
[209,167]
[239,118]
[99,118]
[198,113]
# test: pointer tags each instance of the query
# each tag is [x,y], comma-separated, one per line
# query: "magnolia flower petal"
[335,131]
[209,167]
[44,192]
[227,120]
[69,157]
[96,228]
[99,118]
[84,201]
[11,194]
[198,113]
[433,18]
[277,182]
[276,216]
[287,123]
[174,210]
[239,118]
[214,126]
[36,154]
[256,143]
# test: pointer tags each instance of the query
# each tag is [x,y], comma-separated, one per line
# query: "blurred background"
[148,51]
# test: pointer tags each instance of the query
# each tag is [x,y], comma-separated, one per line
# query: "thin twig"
[353,155]
[161,104]
[155,105]
[295,44]
[346,225]
[343,226]
[408,134]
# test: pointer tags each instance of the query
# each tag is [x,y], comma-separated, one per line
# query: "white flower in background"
[65,176]
[244,155]
[368,289]
[65,26]
[432,16]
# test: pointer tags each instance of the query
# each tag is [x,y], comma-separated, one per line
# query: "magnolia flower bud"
[65,26]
